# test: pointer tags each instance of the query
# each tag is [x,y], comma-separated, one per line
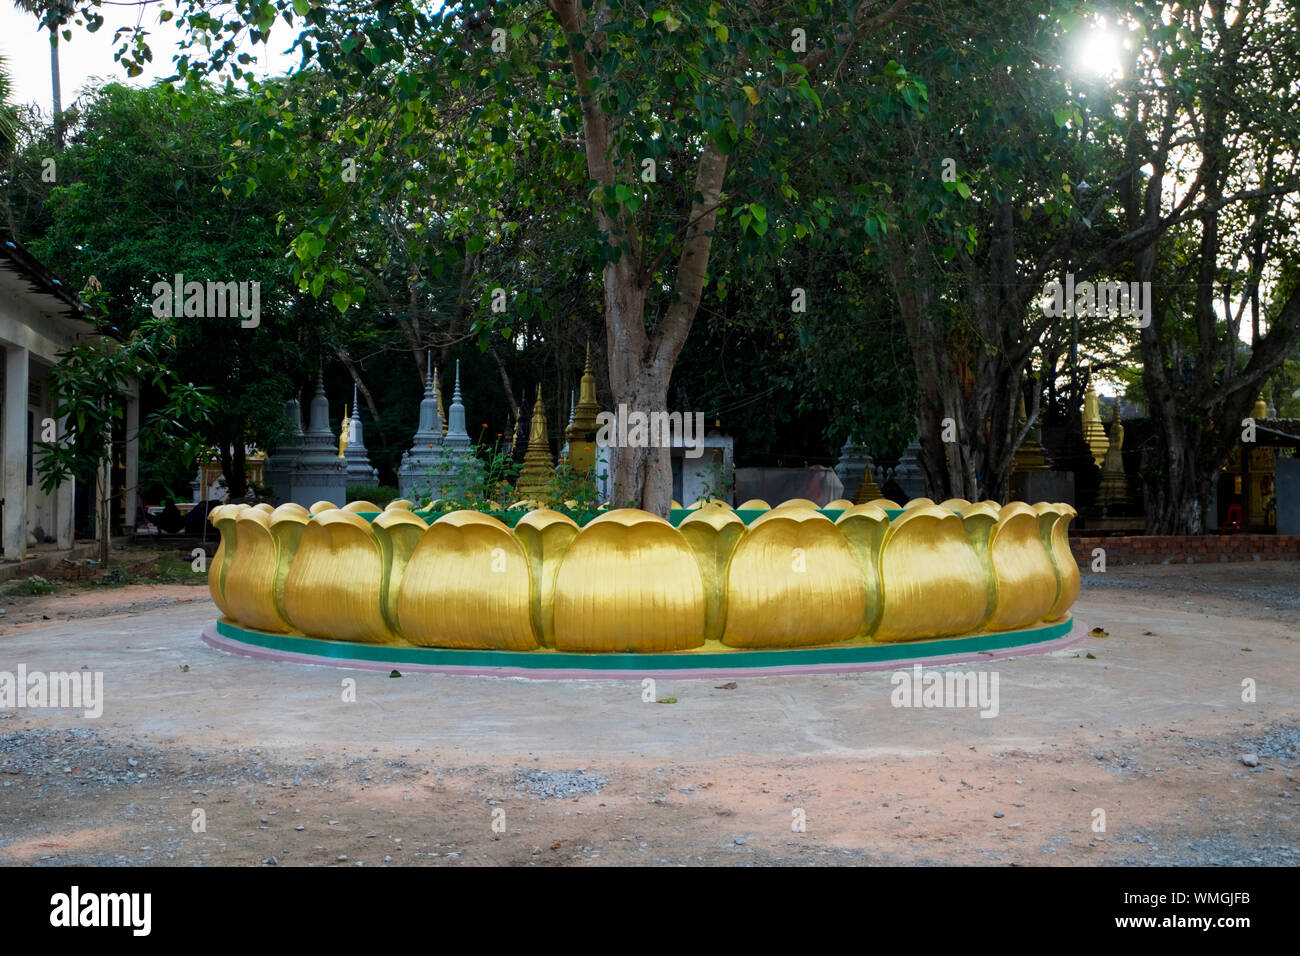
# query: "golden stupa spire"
[584,414]
[581,433]
[538,466]
[867,490]
[1094,432]
[343,432]
[1029,455]
[1261,408]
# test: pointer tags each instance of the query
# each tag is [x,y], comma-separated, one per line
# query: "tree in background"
[90,379]
[138,201]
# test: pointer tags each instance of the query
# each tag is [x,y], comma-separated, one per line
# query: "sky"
[26,50]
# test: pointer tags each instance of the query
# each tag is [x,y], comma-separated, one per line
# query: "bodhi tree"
[726,89]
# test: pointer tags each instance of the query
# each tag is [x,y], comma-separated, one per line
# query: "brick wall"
[1197,549]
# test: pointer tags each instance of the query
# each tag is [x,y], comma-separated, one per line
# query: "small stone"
[1250,760]
[270,861]
[342,858]
[740,841]
[998,815]
[300,827]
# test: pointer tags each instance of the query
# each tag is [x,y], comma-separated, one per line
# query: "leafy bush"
[381,495]
[33,586]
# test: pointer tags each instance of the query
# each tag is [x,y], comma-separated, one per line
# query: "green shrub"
[381,495]
[33,586]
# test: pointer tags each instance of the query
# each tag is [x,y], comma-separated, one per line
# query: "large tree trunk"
[233,469]
[639,365]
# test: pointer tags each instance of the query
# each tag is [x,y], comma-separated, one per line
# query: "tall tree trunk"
[57,87]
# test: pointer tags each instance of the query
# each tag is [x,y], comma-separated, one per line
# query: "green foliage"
[570,491]
[90,379]
[33,586]
[380,495]
[136,202]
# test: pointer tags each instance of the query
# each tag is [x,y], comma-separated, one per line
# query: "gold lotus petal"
[954,504]
[288,522]
[754,504]
[467,585]
[887,503]
[357,507]
[918,503]
[978,520]
[1053,529]
[629,582]
[793,581]
[545,536]
[798,503]
[332,590]
[250,578]
[934,584]
[713,534]
[1022,568]
[320,506]
[708,503]
[223,518]
[839,504]
[404,504]
[864,527]
[398,532]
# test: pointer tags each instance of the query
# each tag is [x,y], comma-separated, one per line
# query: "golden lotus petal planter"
[629,585]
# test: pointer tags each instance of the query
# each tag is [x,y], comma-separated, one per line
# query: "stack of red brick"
[1177,549]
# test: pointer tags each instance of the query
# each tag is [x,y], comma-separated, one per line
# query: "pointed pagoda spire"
[1094,432]
[583,424]
[360,470]
[584,417]
[538,466]
[456,436]
[1029,455]
[318,422]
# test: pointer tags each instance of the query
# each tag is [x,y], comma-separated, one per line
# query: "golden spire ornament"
[581,433]
[538,466]
[1094,432]
[1029,455]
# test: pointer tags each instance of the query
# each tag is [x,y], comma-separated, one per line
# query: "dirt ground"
[1146,726]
